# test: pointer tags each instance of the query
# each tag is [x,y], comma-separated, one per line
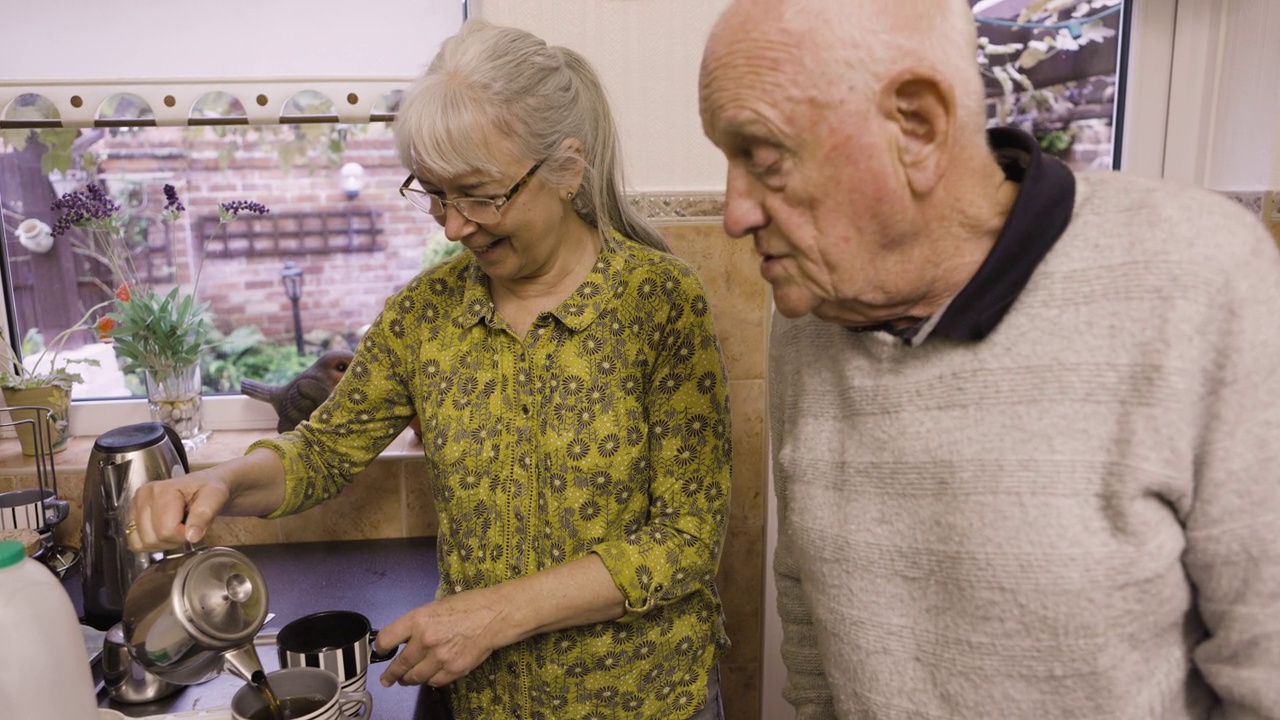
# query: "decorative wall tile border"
[709,207]
[1252,202]
[699,208]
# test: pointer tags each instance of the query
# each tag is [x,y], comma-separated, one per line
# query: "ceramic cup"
[304,694]
[31,508]
[340,641]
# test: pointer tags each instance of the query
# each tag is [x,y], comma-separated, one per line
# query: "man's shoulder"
[1117,214]
[1115,196]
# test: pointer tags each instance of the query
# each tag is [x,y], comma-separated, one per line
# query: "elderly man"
[1026,423]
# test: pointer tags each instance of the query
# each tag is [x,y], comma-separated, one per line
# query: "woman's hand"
[444,640]
[448,638]
[167,513]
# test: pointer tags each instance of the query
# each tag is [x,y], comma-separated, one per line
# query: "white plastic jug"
[44,668]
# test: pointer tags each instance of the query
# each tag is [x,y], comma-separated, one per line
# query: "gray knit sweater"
[1077,517]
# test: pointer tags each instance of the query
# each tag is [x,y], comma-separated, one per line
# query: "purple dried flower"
[231,210]
[82,208]
[172,202]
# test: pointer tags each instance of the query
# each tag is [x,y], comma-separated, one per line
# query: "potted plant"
[156,331]
[45,381]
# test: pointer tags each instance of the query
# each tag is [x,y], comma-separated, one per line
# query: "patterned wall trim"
[709,207]
[699,208]
[1253,202]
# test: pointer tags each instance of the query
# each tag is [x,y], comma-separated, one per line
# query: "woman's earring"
[569,196]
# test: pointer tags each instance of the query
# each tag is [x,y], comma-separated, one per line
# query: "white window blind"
[78,53]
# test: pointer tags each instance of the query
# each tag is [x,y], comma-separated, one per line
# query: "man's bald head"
[854,46]
[857,154]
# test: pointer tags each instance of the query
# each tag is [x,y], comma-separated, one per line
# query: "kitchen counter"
[383,579]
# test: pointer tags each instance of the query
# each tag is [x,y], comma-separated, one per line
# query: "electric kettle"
[122,460]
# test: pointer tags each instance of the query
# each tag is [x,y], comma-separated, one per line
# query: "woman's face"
[525,241]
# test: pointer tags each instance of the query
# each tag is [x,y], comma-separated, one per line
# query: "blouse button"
[524,409]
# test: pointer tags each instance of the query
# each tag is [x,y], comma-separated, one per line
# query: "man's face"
[810,177]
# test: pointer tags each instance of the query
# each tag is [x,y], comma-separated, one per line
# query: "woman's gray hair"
[494,79]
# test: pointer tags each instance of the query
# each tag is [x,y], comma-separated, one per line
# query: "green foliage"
[18,375]
[244,353]
[1054,27]
[158,332]
[1057,142]
[438,248]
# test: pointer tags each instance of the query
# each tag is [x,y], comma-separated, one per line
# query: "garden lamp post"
[292,277]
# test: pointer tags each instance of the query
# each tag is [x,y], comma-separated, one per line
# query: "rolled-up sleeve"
[689,458]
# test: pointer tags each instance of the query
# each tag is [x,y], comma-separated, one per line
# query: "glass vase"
[175,400]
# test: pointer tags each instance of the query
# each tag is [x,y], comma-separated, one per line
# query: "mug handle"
[55,510]
[363,697]
[374,655]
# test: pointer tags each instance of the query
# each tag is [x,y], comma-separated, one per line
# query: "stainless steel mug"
[31,509]
[340,641]
[125,679]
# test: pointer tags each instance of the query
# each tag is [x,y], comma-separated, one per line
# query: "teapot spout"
[244,663]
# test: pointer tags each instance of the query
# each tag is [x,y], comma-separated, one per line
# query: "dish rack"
[37,419]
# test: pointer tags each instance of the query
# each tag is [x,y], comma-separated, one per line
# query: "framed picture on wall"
[1056,69]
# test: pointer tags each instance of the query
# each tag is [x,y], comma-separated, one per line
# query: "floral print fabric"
[604,430]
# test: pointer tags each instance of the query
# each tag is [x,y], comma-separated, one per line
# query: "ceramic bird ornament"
[297,399]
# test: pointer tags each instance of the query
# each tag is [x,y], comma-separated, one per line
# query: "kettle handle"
[177,446]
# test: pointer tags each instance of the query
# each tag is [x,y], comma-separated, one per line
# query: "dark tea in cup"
[300,694]
[291,708]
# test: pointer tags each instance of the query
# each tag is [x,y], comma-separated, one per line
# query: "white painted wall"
[1247,103]
[647,53]
[1224,105]
[95,48]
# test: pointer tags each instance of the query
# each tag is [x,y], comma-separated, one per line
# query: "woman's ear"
[921,107]
[573,181]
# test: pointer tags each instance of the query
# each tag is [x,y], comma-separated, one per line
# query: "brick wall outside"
[341,292]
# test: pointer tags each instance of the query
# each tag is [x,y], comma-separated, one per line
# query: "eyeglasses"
[477,210]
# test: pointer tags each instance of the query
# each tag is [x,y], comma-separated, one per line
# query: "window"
[1056,71]
[318,153]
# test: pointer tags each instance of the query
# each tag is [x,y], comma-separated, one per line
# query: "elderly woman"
[572,401]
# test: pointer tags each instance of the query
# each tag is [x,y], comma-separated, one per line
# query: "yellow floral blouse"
[605,430]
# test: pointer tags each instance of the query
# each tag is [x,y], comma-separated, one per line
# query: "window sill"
[222,445]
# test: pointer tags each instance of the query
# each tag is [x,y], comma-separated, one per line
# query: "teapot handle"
[178,447]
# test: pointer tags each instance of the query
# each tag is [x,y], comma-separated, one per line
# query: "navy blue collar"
[1041,213]
[1039,216]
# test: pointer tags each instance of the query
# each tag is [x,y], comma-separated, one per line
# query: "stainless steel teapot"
[194,613]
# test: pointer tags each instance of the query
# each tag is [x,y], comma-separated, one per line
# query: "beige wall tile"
[747,503]
[370,507]
[739,298]
[243,531]
[71,489]
[741,585]
[740,688]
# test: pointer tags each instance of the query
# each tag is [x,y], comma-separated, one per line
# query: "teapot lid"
[223,596]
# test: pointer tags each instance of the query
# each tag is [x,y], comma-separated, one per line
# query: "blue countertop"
[383,579]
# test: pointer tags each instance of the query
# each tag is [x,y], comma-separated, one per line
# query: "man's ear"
[922,109]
